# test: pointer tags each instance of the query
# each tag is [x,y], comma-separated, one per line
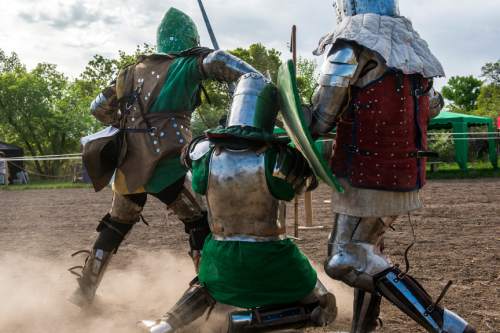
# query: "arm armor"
[436,102]
[105,106]
[337,75]
[222,66]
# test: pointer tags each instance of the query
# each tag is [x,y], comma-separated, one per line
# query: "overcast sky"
[463,34]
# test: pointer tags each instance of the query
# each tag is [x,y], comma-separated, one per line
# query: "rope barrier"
[36,158]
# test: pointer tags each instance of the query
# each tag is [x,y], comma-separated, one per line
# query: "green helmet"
[177,32]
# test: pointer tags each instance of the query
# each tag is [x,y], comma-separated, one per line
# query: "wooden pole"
[293,49]
[296,217]
[308,209]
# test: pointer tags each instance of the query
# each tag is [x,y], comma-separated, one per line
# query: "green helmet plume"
[177,32]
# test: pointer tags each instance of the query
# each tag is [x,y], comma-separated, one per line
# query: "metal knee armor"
[354,250]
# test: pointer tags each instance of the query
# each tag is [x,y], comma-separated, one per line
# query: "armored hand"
[105,106]
[292,167]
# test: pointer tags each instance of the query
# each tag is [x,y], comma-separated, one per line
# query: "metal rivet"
[155,142]
[181,140]
[178,133]
[162,134]
[153,73]
[157,76]
[378,175]
[146,98]
[158,150]
[174,125]
[133,119]
[152,134]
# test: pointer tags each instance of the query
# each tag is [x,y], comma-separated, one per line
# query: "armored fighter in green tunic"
[248,262]
[150,105]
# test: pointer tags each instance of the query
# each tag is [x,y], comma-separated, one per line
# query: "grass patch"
[44,185]
[480,169]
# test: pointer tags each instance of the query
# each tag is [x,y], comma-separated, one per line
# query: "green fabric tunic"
[179,94]
[252,275]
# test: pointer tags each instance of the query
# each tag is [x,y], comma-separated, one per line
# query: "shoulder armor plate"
[339,68]
[199,149]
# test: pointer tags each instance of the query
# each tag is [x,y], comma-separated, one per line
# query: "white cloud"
[463,34]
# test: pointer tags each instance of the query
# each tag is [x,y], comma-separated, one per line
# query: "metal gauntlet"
[436,102]
[292,167]
[105,106]
[222,66]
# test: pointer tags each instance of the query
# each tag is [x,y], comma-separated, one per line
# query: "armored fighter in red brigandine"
[376,89]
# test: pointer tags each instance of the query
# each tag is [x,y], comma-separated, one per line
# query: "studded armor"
[377,91]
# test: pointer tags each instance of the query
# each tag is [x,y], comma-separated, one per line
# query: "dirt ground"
[458,238]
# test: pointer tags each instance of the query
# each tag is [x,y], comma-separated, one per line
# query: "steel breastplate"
[240,205]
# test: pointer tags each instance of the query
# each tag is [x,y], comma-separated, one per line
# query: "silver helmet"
[354,7]
[255,103]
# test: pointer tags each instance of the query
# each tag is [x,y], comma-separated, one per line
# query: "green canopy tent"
[459,124]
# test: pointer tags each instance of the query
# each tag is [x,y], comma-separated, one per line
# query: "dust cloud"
[34,293]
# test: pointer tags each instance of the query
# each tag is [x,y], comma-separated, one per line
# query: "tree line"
[46,113]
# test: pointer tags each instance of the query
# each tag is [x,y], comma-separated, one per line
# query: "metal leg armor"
[111,234]
[91,276]
[354,250]
[318,309]
[366,311]
[193,304]
[411,298]
[355,257]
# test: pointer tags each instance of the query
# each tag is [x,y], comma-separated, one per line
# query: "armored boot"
[111,234]
[91,276]
[319,308]
[366,311]
[195,301]
[410,297]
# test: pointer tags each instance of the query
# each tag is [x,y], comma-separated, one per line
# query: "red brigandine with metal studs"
[379,137]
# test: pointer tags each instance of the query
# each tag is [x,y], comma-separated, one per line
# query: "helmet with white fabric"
[354,7]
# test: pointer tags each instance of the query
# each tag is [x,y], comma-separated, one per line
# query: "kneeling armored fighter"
[376,88]
[248,262]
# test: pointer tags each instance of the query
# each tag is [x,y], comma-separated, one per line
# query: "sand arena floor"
[458,238]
